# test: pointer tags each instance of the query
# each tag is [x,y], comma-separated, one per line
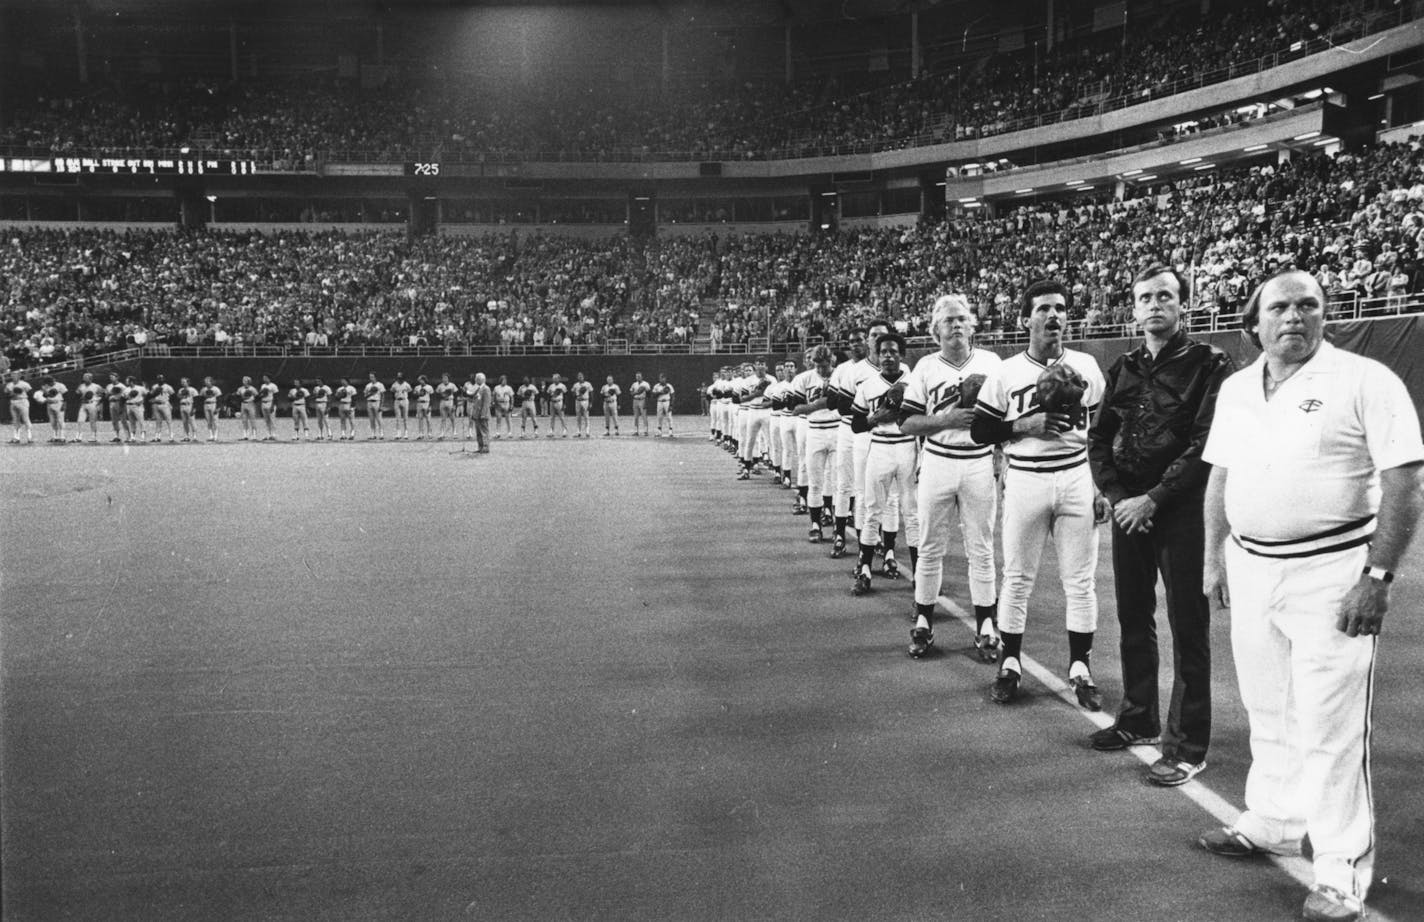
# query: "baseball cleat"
[814,535]
[1088,695]
[988,646]
[798,507]
[744,475]
[921,639]
[1006,687]
[862,585]
[890,569]
[838,547]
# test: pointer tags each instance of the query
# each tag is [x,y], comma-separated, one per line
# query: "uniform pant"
[774,437]
[820,463]
[757,424]
[1172,548]
[1307,690]
[1038,506]
[845,469]
[968,486]
[890,483]
[740,415]
[799,428]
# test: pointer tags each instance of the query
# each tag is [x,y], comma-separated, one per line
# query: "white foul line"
[1213,803]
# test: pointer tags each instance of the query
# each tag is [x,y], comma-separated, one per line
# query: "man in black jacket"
[1145,451]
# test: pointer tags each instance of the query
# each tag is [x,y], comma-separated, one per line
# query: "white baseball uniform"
[1048,491]
[822,430]
[956,473]
[889,465]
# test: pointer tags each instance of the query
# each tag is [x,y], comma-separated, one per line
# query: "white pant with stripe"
[889,492]
[1037,506]
[1307,689]
[965,485]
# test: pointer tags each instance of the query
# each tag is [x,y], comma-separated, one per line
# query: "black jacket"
[1153,422]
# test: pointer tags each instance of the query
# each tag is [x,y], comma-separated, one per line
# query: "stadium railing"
[1197,321]
[80,362]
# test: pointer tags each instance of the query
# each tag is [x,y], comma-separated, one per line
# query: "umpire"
[1145,451]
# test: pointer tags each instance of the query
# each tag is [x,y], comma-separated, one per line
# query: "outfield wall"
[1395,341]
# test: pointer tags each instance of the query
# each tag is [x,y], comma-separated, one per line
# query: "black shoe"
[814,535]
[890,569]
[798,507]
[1111,739]
[1088,695]
[862,585]
[1006,687]
[921,639]
[838,548]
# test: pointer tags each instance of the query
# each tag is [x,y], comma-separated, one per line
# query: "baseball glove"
[1061,389]
[895,396]
[969,390]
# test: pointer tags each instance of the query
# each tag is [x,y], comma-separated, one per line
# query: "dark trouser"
[482,424]
[1174,548]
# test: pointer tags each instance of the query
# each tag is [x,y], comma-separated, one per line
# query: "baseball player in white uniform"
[91,407]
[851,448]
[1048,488]
[889,464]
[1313,496]
[810,392]
[956,473]
[756,413]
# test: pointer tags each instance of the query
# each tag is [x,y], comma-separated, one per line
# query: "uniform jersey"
[447,391]
[91,395]
[583,390]
[423,393]
[527,393]
[1342,416]
[133,397]
[19,391]
[846,378]
[639,390]
[777,392]
[1012,392]
[375,390]
[54,395]
[934,387]
[248,395]
[269,392]
[321,394]
[186,396]
[210,394]
[663,392]
[298,396]
[556,392]
[610,393]
[808,387]
[503,396]
[344,395]
[162,395]
[870,398]
[401,391]
[116,391]
[752,391]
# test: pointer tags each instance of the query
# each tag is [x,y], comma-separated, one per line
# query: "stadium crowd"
[1356,220]
[290,125]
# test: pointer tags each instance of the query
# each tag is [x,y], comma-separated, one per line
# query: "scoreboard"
[131,166]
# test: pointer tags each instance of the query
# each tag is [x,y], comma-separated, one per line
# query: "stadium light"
[1190,160]
[1022,191]
[1132,172]
[1204,166]
[1322,142]
[1255,147]
[1147,177]
[1074,182]
[971,198]
[1306,136]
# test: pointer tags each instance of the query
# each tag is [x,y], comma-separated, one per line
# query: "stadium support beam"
[1048,22]
[232,48]
[916,53]
[790,69]
[81,52]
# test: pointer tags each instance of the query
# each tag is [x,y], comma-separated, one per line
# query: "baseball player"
[638,390]
[118,418]
[801,427]
[778,389]
[889,463]
[267,392]
[375,395]
[1312,498]
[321,399]
[134,394]
[210,393]
[161,395]
[187,401]
[1048,488]
[811,390]
[503,403]
[346,410]
[400,399]
[298,395]
[52,393]
[583,396]
[247,394]
[610,392]
[756,414]
[18,390]
[527,395]
[852,447]
[447,391]
[554,393]
[91,407]
[663,393]
[956,474]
